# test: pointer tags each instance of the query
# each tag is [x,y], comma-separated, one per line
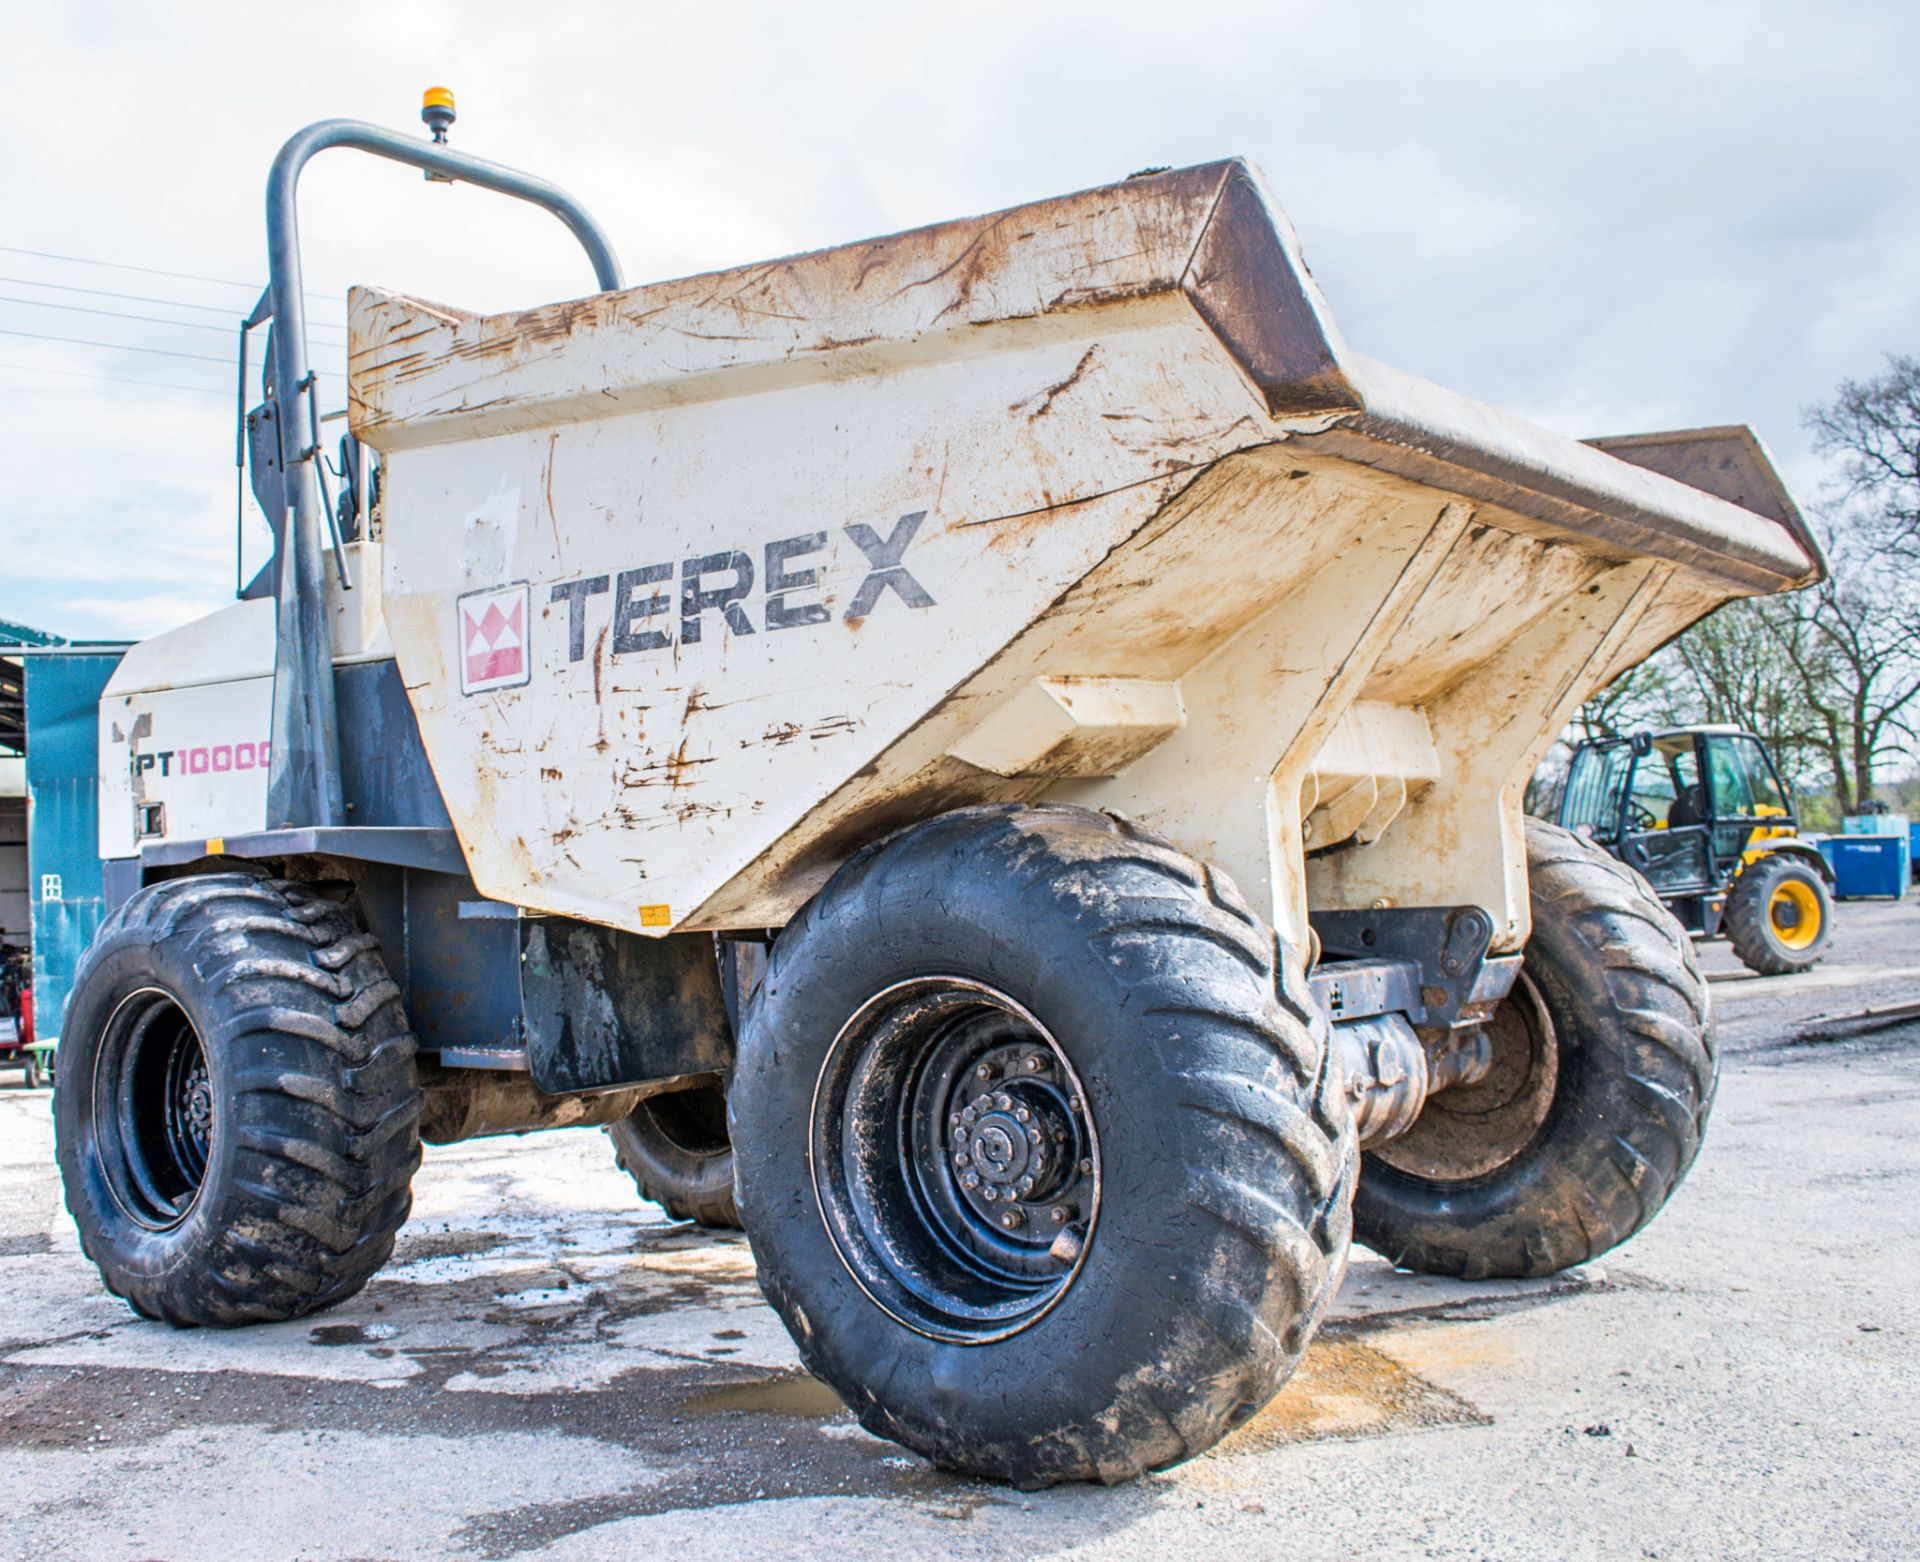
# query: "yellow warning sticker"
[656,916]
[216,844]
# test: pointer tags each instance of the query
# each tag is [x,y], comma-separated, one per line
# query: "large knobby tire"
[238,1122]
[676,1150]
[1193,1151]
[1604,1070]
[1779,916]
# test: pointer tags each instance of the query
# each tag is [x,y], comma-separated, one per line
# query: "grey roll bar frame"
[303,779]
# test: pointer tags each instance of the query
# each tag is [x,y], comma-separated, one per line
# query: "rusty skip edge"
[1216,237]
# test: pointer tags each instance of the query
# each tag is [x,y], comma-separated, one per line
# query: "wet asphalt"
[550,1370]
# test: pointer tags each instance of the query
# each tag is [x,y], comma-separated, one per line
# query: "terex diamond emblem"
[493,639]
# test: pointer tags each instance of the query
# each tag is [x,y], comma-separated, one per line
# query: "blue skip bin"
[1867,865]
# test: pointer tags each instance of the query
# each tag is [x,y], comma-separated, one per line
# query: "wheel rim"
[153,1109]
[1793,913]
[693,1121]
[954,1159]
[1471,1130]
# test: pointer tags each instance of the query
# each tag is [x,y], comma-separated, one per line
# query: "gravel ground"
[548,1371]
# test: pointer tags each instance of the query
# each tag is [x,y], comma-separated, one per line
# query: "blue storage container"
[1867,865]
[1913,849]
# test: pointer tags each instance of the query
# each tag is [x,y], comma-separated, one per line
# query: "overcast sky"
[1607,217]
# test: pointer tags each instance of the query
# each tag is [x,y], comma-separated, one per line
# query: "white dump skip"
[698,587]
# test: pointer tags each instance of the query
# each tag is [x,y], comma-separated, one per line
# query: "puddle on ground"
[350,1333]
[794,1394]
[1348,1389]
[1343,1389]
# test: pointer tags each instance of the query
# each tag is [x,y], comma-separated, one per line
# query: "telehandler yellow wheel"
[1779,916]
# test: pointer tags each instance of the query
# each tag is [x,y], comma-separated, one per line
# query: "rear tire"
[238,1125]
[1159,1118]
[1603,1075]
[676,1150]
[35,1075]
[1779,916]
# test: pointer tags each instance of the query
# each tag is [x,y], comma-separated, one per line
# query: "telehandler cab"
[1018,706]
[1702,814]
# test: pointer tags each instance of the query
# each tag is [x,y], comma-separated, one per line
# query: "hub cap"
[954,1159]
[1794,911]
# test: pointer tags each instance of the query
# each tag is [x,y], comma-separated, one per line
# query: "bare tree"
[1830,676]
[1872,429]
[1854,644]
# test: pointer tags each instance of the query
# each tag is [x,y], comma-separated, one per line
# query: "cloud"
[1605,215]
[132,618]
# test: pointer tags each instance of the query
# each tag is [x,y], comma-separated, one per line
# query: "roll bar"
[303,783]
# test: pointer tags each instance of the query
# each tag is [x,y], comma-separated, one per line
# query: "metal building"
[50,887]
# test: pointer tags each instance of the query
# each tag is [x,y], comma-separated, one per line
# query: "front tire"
[1604,1070]
[1039,1146]
[1779,916]
[238,1122]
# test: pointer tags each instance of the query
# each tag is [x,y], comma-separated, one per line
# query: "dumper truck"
[1017,710]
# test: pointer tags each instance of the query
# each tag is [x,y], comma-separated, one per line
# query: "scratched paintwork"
[1137,449]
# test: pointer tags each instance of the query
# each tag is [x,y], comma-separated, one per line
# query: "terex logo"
[643,606]
[493,639]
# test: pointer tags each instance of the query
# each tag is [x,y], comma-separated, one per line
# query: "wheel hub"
[955,1160]
[1015,1145]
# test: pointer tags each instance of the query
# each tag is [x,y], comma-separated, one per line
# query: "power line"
[118,347]
[254,288]
[120,314]
[226,312]
[116,379]
[151,271]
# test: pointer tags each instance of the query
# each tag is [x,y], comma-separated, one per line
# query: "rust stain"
[1345,1388]
[678,765]
[1047,397]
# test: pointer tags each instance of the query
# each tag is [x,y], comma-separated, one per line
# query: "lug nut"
[1022,1115]
[1024,1186]
[1033,1136]
[1059,1136]
[961,1158]
[990,1193]
[984,1071]
[1086,1167]
[1012,1219]
[970,1180]
[1035,1062]
[1075,1104]
[960,1134]
[1003,1101]
[1060,1214]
